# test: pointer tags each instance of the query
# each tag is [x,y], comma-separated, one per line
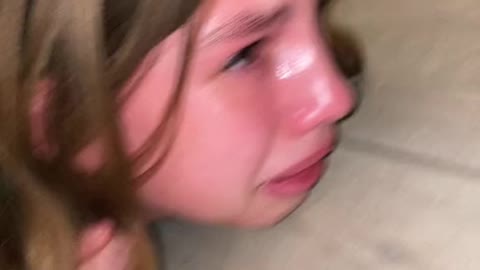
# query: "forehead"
[220,12]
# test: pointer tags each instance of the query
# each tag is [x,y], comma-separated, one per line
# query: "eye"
[244,57]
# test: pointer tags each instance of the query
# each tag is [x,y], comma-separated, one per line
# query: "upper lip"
[305,163]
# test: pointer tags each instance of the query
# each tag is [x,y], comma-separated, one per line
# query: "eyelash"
[244,58]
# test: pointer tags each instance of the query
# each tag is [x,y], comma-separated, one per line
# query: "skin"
[243,120]
[248,114]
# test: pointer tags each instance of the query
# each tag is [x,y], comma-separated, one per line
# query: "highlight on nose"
[327,101]
[297,61]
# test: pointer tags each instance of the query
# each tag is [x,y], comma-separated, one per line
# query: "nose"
[310,90]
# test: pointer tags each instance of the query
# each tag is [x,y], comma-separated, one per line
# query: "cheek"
[212,171]
[145,108]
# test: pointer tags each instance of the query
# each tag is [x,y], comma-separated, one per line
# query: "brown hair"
[344,46]
[89,48]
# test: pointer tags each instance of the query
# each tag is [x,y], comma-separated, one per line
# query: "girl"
[117,112]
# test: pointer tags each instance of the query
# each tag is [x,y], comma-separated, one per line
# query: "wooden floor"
[404,189]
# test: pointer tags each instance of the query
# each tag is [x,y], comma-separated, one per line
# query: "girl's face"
[258,114]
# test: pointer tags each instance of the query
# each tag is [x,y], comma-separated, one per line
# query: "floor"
[404,189]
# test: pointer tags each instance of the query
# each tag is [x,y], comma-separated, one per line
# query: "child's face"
[258,114]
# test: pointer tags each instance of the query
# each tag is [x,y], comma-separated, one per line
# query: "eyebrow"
[244,24]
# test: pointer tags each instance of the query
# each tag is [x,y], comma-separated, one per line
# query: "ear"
[102,248]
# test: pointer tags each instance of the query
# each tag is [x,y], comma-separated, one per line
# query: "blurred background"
[404,188]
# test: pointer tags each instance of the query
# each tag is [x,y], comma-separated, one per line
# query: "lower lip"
[299,183]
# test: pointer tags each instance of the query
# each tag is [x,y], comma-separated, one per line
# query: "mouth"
[301,177]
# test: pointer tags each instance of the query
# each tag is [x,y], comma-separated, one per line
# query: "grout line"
[417,159]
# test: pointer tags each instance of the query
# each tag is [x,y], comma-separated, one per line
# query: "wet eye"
[244,57]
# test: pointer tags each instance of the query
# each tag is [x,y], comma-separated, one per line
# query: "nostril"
[305,117]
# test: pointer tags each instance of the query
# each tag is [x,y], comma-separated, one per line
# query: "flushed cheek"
[146,106]
[211,173]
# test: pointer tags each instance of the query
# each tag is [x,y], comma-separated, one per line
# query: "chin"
[262,216]
[268,219]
